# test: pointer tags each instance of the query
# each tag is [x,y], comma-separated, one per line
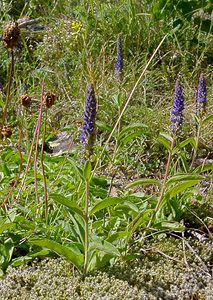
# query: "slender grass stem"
[42,166]
[10,78]
[86,241]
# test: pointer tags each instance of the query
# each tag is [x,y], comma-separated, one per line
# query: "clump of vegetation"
[127,167]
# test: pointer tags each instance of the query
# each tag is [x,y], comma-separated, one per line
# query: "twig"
[184,251]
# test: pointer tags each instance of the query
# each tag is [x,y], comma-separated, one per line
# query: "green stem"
[163,184]
[86,241]
[196,143]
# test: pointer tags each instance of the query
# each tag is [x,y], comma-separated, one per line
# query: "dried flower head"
[89,128]
[25,100]
[178,107]
[119,64]
[49,99]
[11,35]
[201,99]
[6,131]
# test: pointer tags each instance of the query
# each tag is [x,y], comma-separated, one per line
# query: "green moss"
[152,276]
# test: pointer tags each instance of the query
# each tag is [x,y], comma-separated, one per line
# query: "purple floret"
[178,107]
[119,64]
[89,128]
[201,99]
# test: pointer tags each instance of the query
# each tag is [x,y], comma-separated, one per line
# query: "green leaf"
[21,260]
[132,127]
[74,257]
[201,169]
[174,226]
[179,188]
[129,205]
[78,228]
[6,227]
[117,236]
[130,137]
[183,144]
[117,99]
[165,139]
[87,170]
[103,126]
[143,181]
[77,170]
[68,203]
[184,177]
[141,218]
[105,247]
[105,203]
[207,119]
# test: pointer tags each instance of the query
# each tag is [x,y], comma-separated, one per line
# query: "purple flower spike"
[201,99]
[178,107]
[119,64]
[89,128]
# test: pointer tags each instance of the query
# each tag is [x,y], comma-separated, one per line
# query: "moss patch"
[152,276]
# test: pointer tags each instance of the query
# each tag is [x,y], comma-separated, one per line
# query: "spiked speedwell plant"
[85,221]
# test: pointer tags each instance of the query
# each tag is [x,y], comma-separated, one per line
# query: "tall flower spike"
[119,64]
[178,107]
[201,99]
[88,135]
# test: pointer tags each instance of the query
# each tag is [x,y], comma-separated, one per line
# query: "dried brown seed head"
[49,99]
[11,35]
[6,131]
[25,100]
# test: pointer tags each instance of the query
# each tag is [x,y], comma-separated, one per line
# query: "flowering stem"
[86,215]
[42,166]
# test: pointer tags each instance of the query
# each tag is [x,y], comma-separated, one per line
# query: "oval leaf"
[75,258]
[177,189]
[143,181]
[184,177]
[87,170]
[105,247]
[68,203]
[105,203]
